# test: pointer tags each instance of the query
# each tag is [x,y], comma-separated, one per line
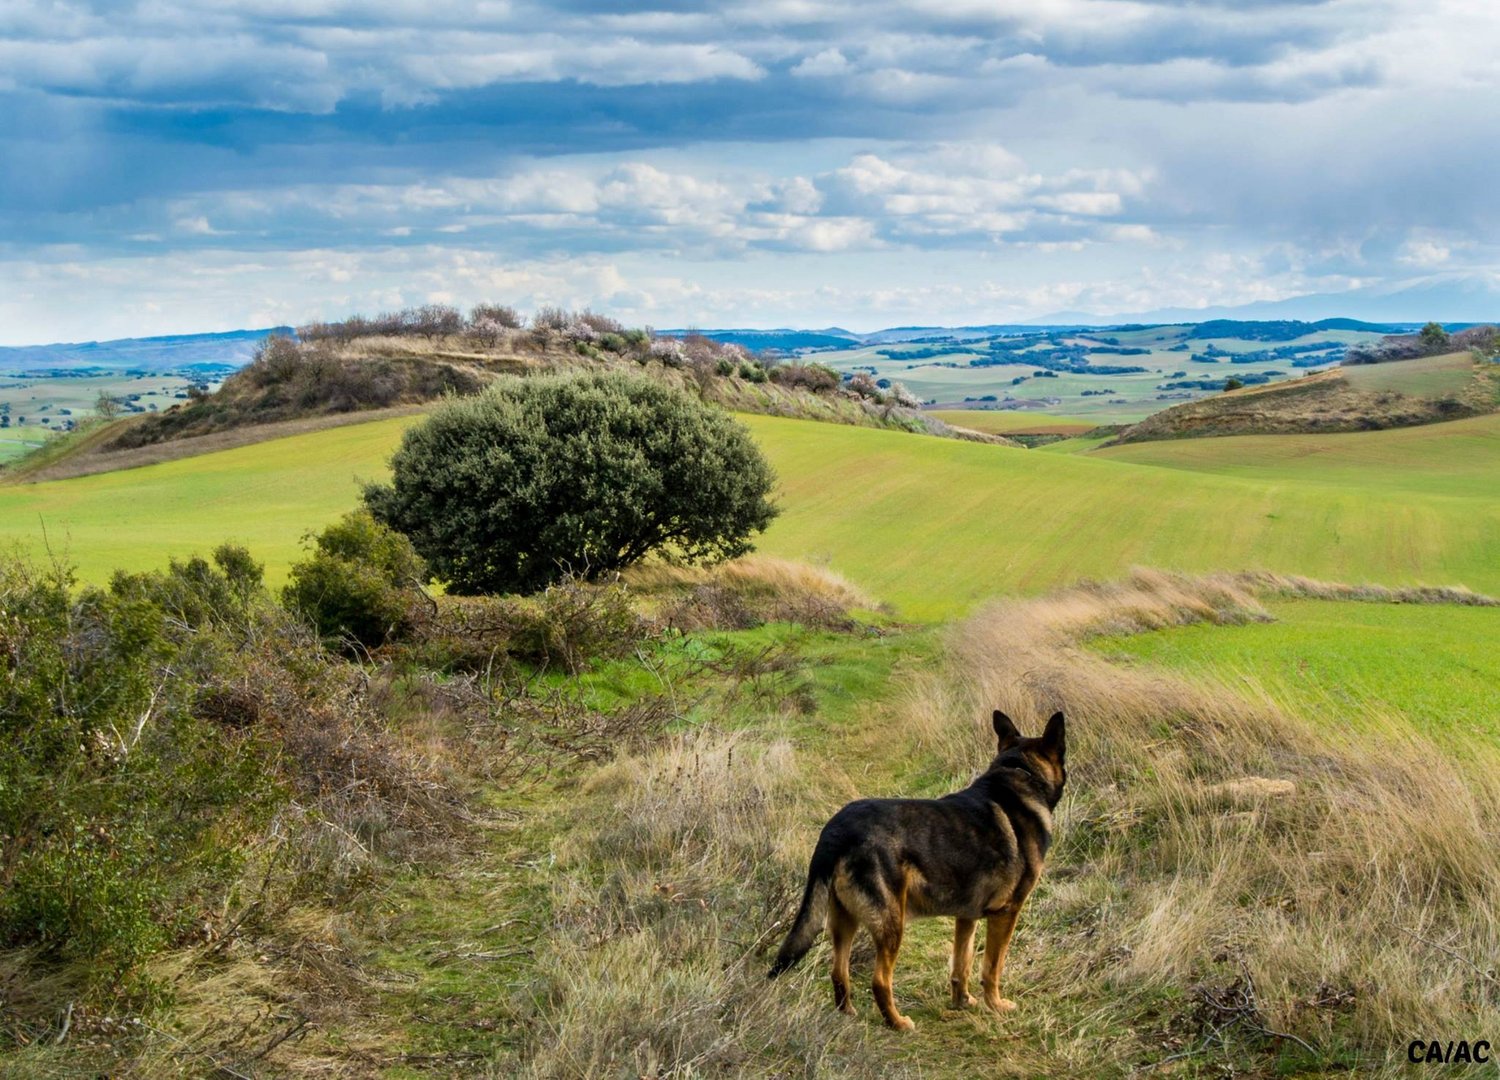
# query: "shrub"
[287,380]
[1433,337]
[551,318]
[573,623]
[500,314]
[513,489]
[122,811]
[818,378]
[1232,384]
[359,584]
[432,320]
[752,372]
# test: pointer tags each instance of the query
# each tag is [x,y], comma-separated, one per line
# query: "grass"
[1459,458]
[13,446]
[265,496]
[1435,665]
[1011,422]
[932,526]
[1429,376]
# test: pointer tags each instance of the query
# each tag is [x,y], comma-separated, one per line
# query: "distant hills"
[184,353]
[1448,298]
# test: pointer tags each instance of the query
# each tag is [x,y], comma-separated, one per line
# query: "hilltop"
[1401,393]
[333,373]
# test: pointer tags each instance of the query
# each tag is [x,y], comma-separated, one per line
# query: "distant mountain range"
[186,353]
[1447,298]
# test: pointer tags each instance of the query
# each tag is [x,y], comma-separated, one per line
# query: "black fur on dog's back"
[963,855]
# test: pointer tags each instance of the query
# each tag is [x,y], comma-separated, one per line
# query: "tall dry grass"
[1234,887]
[663,910]
[1344,874]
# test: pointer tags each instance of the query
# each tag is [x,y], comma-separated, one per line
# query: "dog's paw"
[968,1001]
[1001,1005]
[903,1023]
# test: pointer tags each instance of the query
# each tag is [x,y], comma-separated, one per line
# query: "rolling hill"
[1402,393]
[931,525]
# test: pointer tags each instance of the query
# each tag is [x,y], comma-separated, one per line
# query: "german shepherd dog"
[975,854]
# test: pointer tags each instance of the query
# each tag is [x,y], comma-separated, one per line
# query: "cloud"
[1068,151]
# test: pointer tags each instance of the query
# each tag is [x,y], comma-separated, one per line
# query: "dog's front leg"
[996,944]
[963,959]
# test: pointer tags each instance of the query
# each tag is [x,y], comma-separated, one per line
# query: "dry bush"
[288,380]
[1346,873]
[748,592]
[502,315]
[662,914]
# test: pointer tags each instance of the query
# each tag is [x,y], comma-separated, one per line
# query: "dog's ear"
[1054,739]
[1005,731]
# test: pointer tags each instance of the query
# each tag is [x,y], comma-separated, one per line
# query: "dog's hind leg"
[996,944]
[841,930]
[887,932]
[963,959]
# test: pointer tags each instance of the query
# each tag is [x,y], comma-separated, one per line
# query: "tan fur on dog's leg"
[841,930]
[963,959]
[996,944]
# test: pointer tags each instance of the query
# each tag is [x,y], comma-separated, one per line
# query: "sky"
[173,167]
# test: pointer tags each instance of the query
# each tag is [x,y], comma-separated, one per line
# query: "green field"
[1460,458]
[931,525]
[13,446]
[1435,665]
[949,380]
[265,496]
[1019,422]
[43,403]
[1429,376]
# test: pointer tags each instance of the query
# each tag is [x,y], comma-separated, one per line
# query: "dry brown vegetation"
[288,380]
[1234,887]
[1320,403]
[1216,847]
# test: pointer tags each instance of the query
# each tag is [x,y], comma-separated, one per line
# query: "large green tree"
[512,489]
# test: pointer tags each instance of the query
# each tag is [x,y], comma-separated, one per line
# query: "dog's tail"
[810,915]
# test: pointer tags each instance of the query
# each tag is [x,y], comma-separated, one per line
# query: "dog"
[975,854]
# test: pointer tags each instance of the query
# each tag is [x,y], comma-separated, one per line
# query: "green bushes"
[121,809]
[359,584]
[514,489]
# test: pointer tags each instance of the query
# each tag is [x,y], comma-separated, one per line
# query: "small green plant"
[1232,383]
[359,584]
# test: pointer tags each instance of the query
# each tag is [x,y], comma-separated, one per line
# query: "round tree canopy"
[536,478]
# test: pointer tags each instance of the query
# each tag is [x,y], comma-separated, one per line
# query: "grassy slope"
[265,496]
[1457,458]
[1007,422]
[931,525]
[1435,665]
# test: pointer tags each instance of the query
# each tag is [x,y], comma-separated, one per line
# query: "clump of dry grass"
[1209,834]
[748,592]
[663,912]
